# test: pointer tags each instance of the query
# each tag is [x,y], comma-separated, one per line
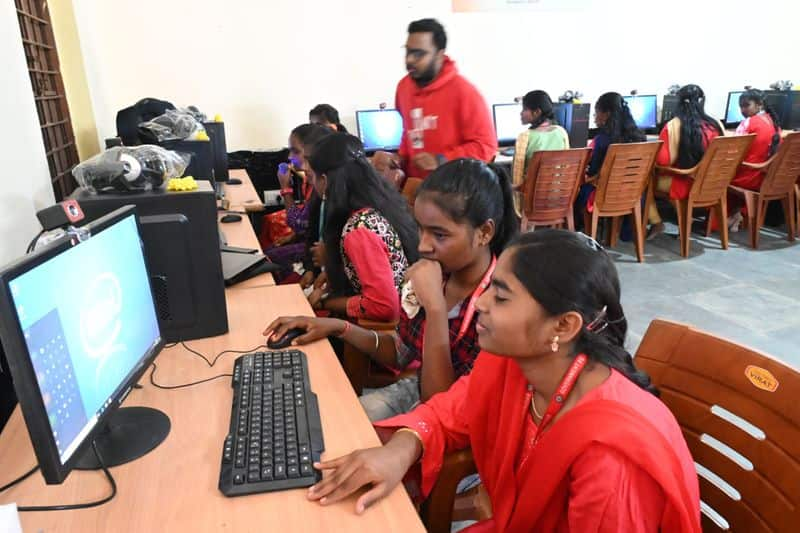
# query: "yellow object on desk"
[185,183]
[217,118]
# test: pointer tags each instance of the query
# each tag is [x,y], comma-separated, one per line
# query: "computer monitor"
[669,107]
[733,113]
[79,328]
[643,109]
[380,129]
[507,123]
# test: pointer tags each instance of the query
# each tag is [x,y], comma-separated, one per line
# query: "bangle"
[345,330]
[413,432]
[287,190]
[377,340]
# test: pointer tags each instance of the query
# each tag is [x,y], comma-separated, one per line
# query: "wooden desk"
[243,197]
[174,487]
[241,234]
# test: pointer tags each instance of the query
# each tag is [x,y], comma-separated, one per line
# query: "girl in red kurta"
[369,234]
[567,435]
[686,138]
[762,120]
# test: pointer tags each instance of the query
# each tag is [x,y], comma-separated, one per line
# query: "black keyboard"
[275,432]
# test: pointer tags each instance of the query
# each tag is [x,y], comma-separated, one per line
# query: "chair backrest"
[785,169]
[410,189]
[624,175]
[718,167]
[738,410]
[552,183]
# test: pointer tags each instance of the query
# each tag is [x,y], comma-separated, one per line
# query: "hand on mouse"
[316,328]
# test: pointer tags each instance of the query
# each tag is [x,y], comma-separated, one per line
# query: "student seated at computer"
[686,138]
[326,115]
[615,125]
[283,231]
[567,434]
[543,133]
[369,235]
[461,210]
[761,119]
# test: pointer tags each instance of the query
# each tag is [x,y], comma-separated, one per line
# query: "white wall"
[263,64]
[25,177]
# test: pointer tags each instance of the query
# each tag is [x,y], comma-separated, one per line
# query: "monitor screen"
[733,114]
[89,324]
[380,129]
[507,123]
[643,109]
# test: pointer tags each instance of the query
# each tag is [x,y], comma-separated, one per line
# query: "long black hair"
[566,271]
[694,122]
[620,126]
[470,190]
[310,134]
[353,184]
[758,97]
[329,114]
[539,100]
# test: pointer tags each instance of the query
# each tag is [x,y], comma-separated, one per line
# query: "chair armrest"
[759,166]
[437,510]
[377,326]
[682,171]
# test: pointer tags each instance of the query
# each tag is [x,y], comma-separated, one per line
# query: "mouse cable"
[73,506]
[183,386]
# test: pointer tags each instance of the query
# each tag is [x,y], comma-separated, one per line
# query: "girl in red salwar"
[566,433]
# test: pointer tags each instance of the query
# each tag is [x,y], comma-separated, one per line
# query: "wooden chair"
[443,506]
[551,186]
[711,177]
[782,171]
[738,411]
[361,370]
[797,211]
[410,189]
[620,185]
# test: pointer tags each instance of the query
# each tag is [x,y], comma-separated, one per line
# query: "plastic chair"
[620,185]
[551,186]
[738,412]
[782,172]
[711,177]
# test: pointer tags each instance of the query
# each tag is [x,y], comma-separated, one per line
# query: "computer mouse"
[286,340]
[234,181]
[230,218]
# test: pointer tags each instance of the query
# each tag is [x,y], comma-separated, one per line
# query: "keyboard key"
[305,470]
[293,471]
[280,471]
[266,473]
[253,476]
[238,479]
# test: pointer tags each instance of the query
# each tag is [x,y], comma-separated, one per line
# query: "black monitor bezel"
[379,148]
[654,127]
[21,366]
[500,142]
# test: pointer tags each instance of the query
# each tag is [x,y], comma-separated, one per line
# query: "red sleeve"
[608,493]
[403,151]
[478,137]
[441,423]
[369,255]
[664,157]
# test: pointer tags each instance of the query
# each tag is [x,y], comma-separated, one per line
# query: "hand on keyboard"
[382,467]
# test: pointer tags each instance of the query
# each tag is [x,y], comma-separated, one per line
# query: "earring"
[554,344]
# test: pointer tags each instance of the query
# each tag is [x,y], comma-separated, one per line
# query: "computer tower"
[201,165]
[181,240]
[669,107]
[216,132]
[576,118]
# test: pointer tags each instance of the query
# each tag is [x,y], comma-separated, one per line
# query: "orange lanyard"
[561,394]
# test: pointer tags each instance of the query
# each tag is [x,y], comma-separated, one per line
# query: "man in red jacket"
[444,115]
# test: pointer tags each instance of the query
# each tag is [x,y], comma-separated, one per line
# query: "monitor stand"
[130,433]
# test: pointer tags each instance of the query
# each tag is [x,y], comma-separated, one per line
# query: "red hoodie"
[449,117]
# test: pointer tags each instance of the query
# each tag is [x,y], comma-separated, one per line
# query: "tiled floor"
[751,297]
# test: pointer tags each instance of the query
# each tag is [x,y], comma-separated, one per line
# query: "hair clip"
[590,242]
[599,323]
[357,154]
